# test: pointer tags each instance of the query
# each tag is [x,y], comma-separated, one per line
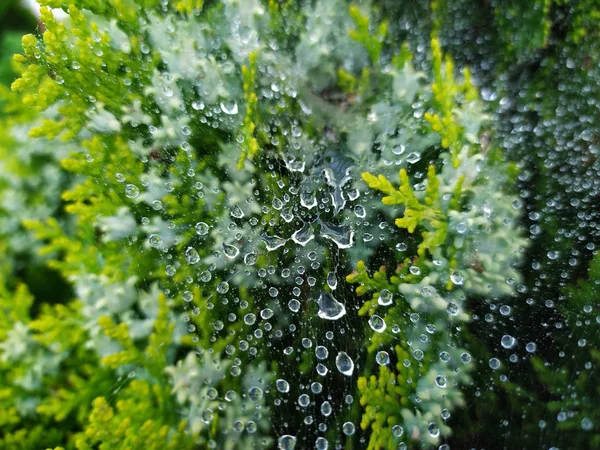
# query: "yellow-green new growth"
[445,92]
[250,143]
[428,214]
[373,43]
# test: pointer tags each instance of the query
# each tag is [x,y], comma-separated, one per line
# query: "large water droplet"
[255,393]
[413,158]
[385,297]
[397,430]
[359,211]
[457,277]
[237,212]
[287,215]
[250,258]
[207,415]
[155,241]
[223,287]
[274,242]
[230,251]
[377,323]
[329,307]
[202,229]
[229,108]
[440,381]
[341,235]
[326,408]
[191,256]
[348,428]
[508,341]
[286,442]
[304,235]
[344,363]
[277,204]
[295,165]
[132,191]
[321,352]
[308,200]
[282,386]
[382,358]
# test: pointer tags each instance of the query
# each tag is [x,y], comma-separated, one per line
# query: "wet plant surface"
[301,225]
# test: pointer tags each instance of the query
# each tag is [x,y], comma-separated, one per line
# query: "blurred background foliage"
[15,20]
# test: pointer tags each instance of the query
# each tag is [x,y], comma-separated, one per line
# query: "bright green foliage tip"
[427,214]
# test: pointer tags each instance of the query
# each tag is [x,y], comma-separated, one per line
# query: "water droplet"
[329,307]
[440,381]
[155,241]
[282,386]
[202,229]
[308,200]
[377,323]
[344,363]
[223,287]
[287,215]
[341,235]
[229,108]
[294,165]
[266,313]
[397,431]
[322,370]
[286,442]
[207,415]
[331,280]
[303,236]
[206,276]
[277,204]
[586,424]
[304,400]
[294,305]
[360,211]
[326,408]
[236,212]
[321,443]
[250,258]
[382,358]
[132,191]
[433,430]
[321,352]
[191,256]
[413,158]
[273,242]
[255,394]
[385,297]
[508,341]
[348,428]
[457,277]
[401,247]
[494,363]
[230,251]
